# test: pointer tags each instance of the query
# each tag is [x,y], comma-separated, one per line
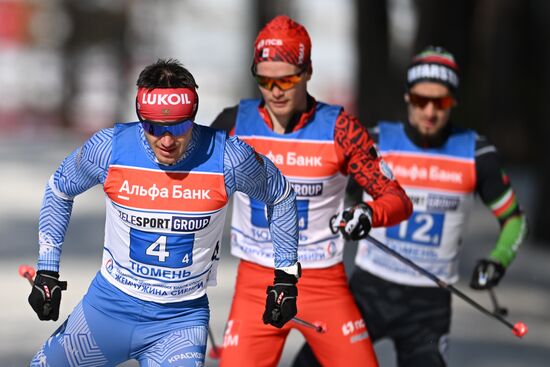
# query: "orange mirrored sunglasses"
[441,103]
[283,83]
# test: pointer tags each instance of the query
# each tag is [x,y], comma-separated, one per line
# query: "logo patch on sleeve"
[386,170]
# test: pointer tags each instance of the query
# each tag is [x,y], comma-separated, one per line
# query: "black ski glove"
[487,274]
[354,222]
[45,297]
[280,304]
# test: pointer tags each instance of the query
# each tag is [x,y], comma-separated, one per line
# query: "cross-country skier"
[318,147]
[442,168]
[167,181]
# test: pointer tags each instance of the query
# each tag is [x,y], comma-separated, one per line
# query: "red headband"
[167,104]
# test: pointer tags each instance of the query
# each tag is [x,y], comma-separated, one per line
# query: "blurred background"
[68,68]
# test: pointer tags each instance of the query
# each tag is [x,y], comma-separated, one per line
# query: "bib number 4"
[171,251]
[158,249]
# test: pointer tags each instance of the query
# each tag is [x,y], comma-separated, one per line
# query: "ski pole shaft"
[503,311]
[215,353]
[519,329]
[27,272]
[318,327]
[211,336]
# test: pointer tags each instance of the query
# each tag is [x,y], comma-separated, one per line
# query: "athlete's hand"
[354,222]
[280,304]
[487,274]
[45,297]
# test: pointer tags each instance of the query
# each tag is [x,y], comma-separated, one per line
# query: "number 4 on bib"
[169,251]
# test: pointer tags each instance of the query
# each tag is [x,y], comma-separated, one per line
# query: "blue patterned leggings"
[106,331]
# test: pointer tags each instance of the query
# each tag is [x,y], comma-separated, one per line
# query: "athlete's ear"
[406,97]
[309,72]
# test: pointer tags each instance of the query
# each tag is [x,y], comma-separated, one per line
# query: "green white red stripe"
[505,204]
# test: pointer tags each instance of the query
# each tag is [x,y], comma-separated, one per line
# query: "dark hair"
[168,73]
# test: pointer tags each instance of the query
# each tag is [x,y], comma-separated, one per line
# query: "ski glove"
[487,274]
[354,222]
[280,304]
[45,297]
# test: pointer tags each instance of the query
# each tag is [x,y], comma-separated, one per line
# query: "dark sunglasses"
[283,83]
[441,103]
[159,129]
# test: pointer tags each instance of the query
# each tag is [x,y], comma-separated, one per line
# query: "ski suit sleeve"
[493,186]
[360,159]
[84,168]
[255,175]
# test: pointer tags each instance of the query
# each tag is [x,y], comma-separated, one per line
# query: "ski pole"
[519,329]
[27,272]
[318,326]
[216,351]
[503,311]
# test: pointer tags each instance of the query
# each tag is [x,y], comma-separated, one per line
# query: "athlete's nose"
[429,109]
[167,139]
[276,91]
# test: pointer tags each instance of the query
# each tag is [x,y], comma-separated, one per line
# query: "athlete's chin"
[429,129]
[280,108]
[166,158]
[166,162]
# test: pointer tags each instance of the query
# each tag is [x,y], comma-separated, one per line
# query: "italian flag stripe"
[505,204]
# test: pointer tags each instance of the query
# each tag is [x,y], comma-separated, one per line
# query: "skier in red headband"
[167,182]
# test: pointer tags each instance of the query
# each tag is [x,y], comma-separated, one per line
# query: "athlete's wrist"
[295,270]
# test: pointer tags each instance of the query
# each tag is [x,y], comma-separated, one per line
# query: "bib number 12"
[421,229]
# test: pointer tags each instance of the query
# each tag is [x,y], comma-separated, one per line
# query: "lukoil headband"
[167,104]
